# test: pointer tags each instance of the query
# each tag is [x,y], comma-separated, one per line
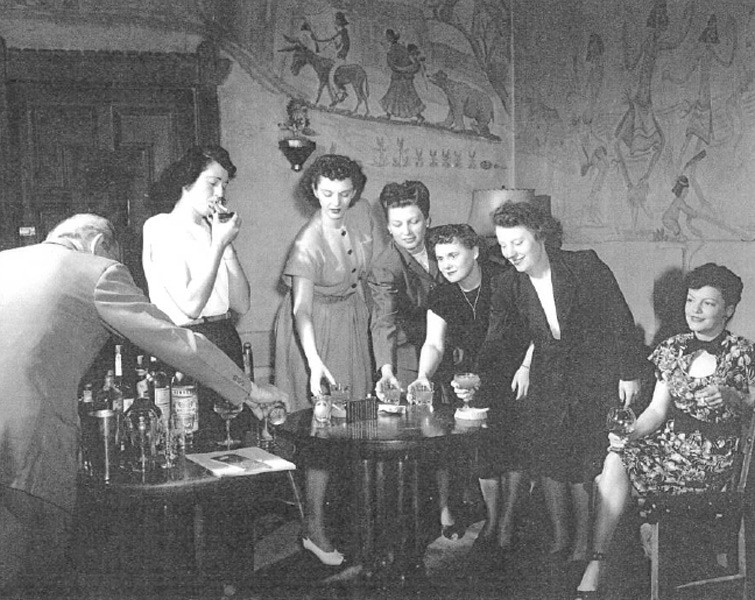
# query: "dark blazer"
[599,345]
[400,288]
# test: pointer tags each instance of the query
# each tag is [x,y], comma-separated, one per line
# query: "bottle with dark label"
[103,398]
[160,389]
[87,400]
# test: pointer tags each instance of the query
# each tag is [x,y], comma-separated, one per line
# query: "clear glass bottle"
[143,423]
[141,386]
[185,403]
[248,361]
[122,395]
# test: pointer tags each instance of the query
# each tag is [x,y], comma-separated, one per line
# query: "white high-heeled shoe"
[333,558]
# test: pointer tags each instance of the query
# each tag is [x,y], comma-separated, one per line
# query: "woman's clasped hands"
[716,396]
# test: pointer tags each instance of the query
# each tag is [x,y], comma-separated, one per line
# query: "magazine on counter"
[240,461]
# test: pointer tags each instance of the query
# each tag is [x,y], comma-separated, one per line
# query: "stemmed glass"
[467,381]
[227,411]
[621,420]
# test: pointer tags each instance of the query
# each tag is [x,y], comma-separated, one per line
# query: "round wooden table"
[386,520]
[173,529]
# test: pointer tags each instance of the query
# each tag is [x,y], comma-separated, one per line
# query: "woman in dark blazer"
[586,358]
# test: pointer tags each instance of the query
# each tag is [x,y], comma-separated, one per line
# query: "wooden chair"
[723,511]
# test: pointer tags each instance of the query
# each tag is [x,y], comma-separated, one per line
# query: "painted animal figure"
[464,101]
[350,74]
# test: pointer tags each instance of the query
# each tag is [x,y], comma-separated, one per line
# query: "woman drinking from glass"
[192,269]
[685,441]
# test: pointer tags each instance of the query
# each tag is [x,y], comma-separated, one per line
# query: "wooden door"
[91,131]
[93,150]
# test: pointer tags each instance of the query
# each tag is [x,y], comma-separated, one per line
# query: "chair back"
[746,445]
[724,507]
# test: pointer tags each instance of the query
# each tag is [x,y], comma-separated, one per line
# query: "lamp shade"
[484,203]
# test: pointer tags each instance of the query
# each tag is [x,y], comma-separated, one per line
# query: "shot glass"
[423,394]
[322,410]
[339,393]
[392,394]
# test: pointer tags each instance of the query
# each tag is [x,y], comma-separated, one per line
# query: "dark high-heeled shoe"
[453,532]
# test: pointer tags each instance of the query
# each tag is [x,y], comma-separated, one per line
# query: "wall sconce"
[297,150]
[295,145]
[485,202]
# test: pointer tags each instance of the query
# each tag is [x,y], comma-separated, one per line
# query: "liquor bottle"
[144,425]
[86,404]
[123,395]
[248,361]
[142,377]
[103,399]
[160,390]
[86,401]
[185,402]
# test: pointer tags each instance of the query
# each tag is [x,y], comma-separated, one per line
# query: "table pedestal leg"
[366,529]
[390,540]
[410,545]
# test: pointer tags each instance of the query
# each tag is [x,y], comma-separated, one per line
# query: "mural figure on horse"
[347,74]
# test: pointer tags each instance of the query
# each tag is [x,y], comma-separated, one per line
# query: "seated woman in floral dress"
[686,439]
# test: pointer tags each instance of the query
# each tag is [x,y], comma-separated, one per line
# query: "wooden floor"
[453,570]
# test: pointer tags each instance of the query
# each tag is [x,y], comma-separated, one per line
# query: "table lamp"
[485,202]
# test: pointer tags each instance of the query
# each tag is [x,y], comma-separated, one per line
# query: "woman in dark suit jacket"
[586,357]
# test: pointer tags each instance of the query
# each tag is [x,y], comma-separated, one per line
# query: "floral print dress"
[694,451]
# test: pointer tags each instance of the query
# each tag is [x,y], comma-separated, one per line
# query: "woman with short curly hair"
[322,326]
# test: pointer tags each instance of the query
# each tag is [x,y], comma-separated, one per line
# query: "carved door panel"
[95,150]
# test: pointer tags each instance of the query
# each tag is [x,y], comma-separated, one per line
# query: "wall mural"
[660,108]
[424,66]
[406,57]
[636,116]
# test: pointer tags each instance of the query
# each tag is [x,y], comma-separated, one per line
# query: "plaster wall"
[563,119]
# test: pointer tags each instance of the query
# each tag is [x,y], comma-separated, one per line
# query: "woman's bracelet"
[525,367]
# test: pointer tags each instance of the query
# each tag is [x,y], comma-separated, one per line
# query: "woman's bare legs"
[612,497]
[510,491]
[557,505]
[580,499]
[443,478]
[491,495]
[314,508]
[500,496]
